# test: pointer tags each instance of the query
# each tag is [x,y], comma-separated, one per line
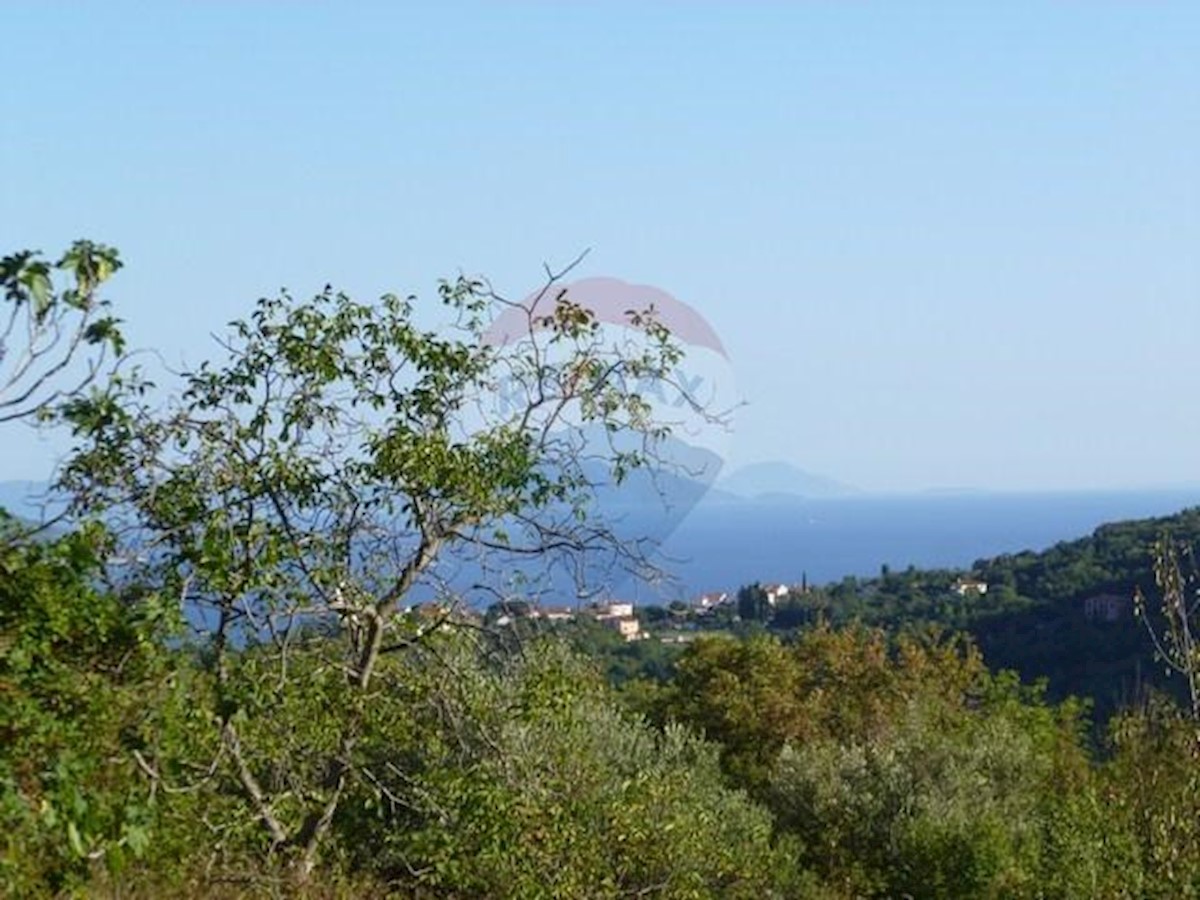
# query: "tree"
[1152,793]
[753,604]
[55,340]
[79,662]
[341,463]
[1176,643]
[902,768]
[532,783]
[47,329]
[80,670]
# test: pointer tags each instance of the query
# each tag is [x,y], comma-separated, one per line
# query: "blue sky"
[944,244]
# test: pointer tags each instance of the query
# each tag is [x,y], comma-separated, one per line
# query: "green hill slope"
[1065,614]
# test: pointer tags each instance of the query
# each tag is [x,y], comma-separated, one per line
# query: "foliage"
[531,783]
[309,734]
[1175,643]
[903,768]
[756,696]
[1152,793]
[624,663]
[331,470]
[753,605]
[80,667]
[47,328]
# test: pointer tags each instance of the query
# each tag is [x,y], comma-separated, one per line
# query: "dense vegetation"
[842,764]
[1033,617]
[248,708]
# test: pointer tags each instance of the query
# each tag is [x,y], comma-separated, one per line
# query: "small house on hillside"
[775,593]
[618,615]
[970,587]
[629,628]
[508,611]
[711,600]
[1107,607]
[614,609]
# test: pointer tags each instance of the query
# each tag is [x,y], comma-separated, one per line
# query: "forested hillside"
[1066,614]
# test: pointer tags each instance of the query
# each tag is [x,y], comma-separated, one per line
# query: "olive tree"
[533,752]
[339,462]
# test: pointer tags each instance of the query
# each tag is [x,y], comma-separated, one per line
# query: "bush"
[527,781]
[79,667]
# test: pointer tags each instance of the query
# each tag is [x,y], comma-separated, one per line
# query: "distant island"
[778,477]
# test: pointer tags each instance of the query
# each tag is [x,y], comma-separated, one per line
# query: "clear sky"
[950,244]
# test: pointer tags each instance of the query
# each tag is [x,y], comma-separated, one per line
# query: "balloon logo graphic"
[696,403]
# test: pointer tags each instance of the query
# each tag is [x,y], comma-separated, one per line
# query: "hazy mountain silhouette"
[777,477]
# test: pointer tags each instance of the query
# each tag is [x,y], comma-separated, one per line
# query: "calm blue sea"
[722,545]
[724,542]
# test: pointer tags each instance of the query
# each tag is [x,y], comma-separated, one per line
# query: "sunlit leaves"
[54,338]
[311,477]
[79,671]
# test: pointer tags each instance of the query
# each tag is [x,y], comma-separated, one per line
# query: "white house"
[615,609]
[775,592]
[630,628]
[965,586]
[708,601]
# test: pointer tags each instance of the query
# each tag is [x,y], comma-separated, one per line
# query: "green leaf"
[75,840]
[137,839]
[105,331]
[37,282]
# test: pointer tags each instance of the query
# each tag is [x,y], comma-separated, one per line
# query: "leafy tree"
[948,802]
[78,660]
[80,669]
[1176,643]
[531,783]
[55,340]
[1152,792]
[758,695]
[902,767]
[744,695]
[49,328]
[753,604]
[340,463]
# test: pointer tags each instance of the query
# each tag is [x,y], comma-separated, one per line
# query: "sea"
[724,544]
[719,542]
